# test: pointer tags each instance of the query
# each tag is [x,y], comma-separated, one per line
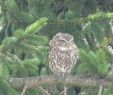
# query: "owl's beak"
[72,46]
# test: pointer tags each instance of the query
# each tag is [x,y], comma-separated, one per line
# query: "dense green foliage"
[26,26]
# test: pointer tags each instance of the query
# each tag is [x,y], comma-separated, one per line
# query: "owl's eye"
[62,40]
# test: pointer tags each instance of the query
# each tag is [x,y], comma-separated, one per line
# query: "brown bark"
[33,82]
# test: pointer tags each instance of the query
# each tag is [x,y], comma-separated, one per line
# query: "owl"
[63,54]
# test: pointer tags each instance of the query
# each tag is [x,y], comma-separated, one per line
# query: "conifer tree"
[25,34]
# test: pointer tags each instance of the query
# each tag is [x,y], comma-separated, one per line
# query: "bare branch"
[100,90]
[33,82]
[65,90]
[24,90]
[61,93]
[44,91]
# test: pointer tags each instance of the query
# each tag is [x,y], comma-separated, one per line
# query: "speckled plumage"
[63,54]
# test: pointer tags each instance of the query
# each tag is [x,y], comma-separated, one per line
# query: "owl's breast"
[62,60]
[63,54]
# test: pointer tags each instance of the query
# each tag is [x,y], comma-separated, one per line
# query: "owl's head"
[63,37]
[62,40]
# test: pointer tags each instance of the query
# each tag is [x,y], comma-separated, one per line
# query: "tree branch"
[33,82]
[61,93]
[24,90]
[44,91]
[100,90]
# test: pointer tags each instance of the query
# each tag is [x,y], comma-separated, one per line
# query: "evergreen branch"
[43,40]
[33,82]
[36,26]
[100,15]
[35,37]
[38,38]
[93,17]
[18,18]
[15,11]
[9,42]
[12,56]
[33,48]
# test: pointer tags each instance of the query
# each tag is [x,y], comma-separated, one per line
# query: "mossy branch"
[33,82]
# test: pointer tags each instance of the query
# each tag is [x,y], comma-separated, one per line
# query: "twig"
[24,90]
[44,91]
[63,91]
[100,90]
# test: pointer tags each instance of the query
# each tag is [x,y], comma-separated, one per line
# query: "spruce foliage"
[26,26]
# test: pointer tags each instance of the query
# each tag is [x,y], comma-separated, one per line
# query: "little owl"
[63,54]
